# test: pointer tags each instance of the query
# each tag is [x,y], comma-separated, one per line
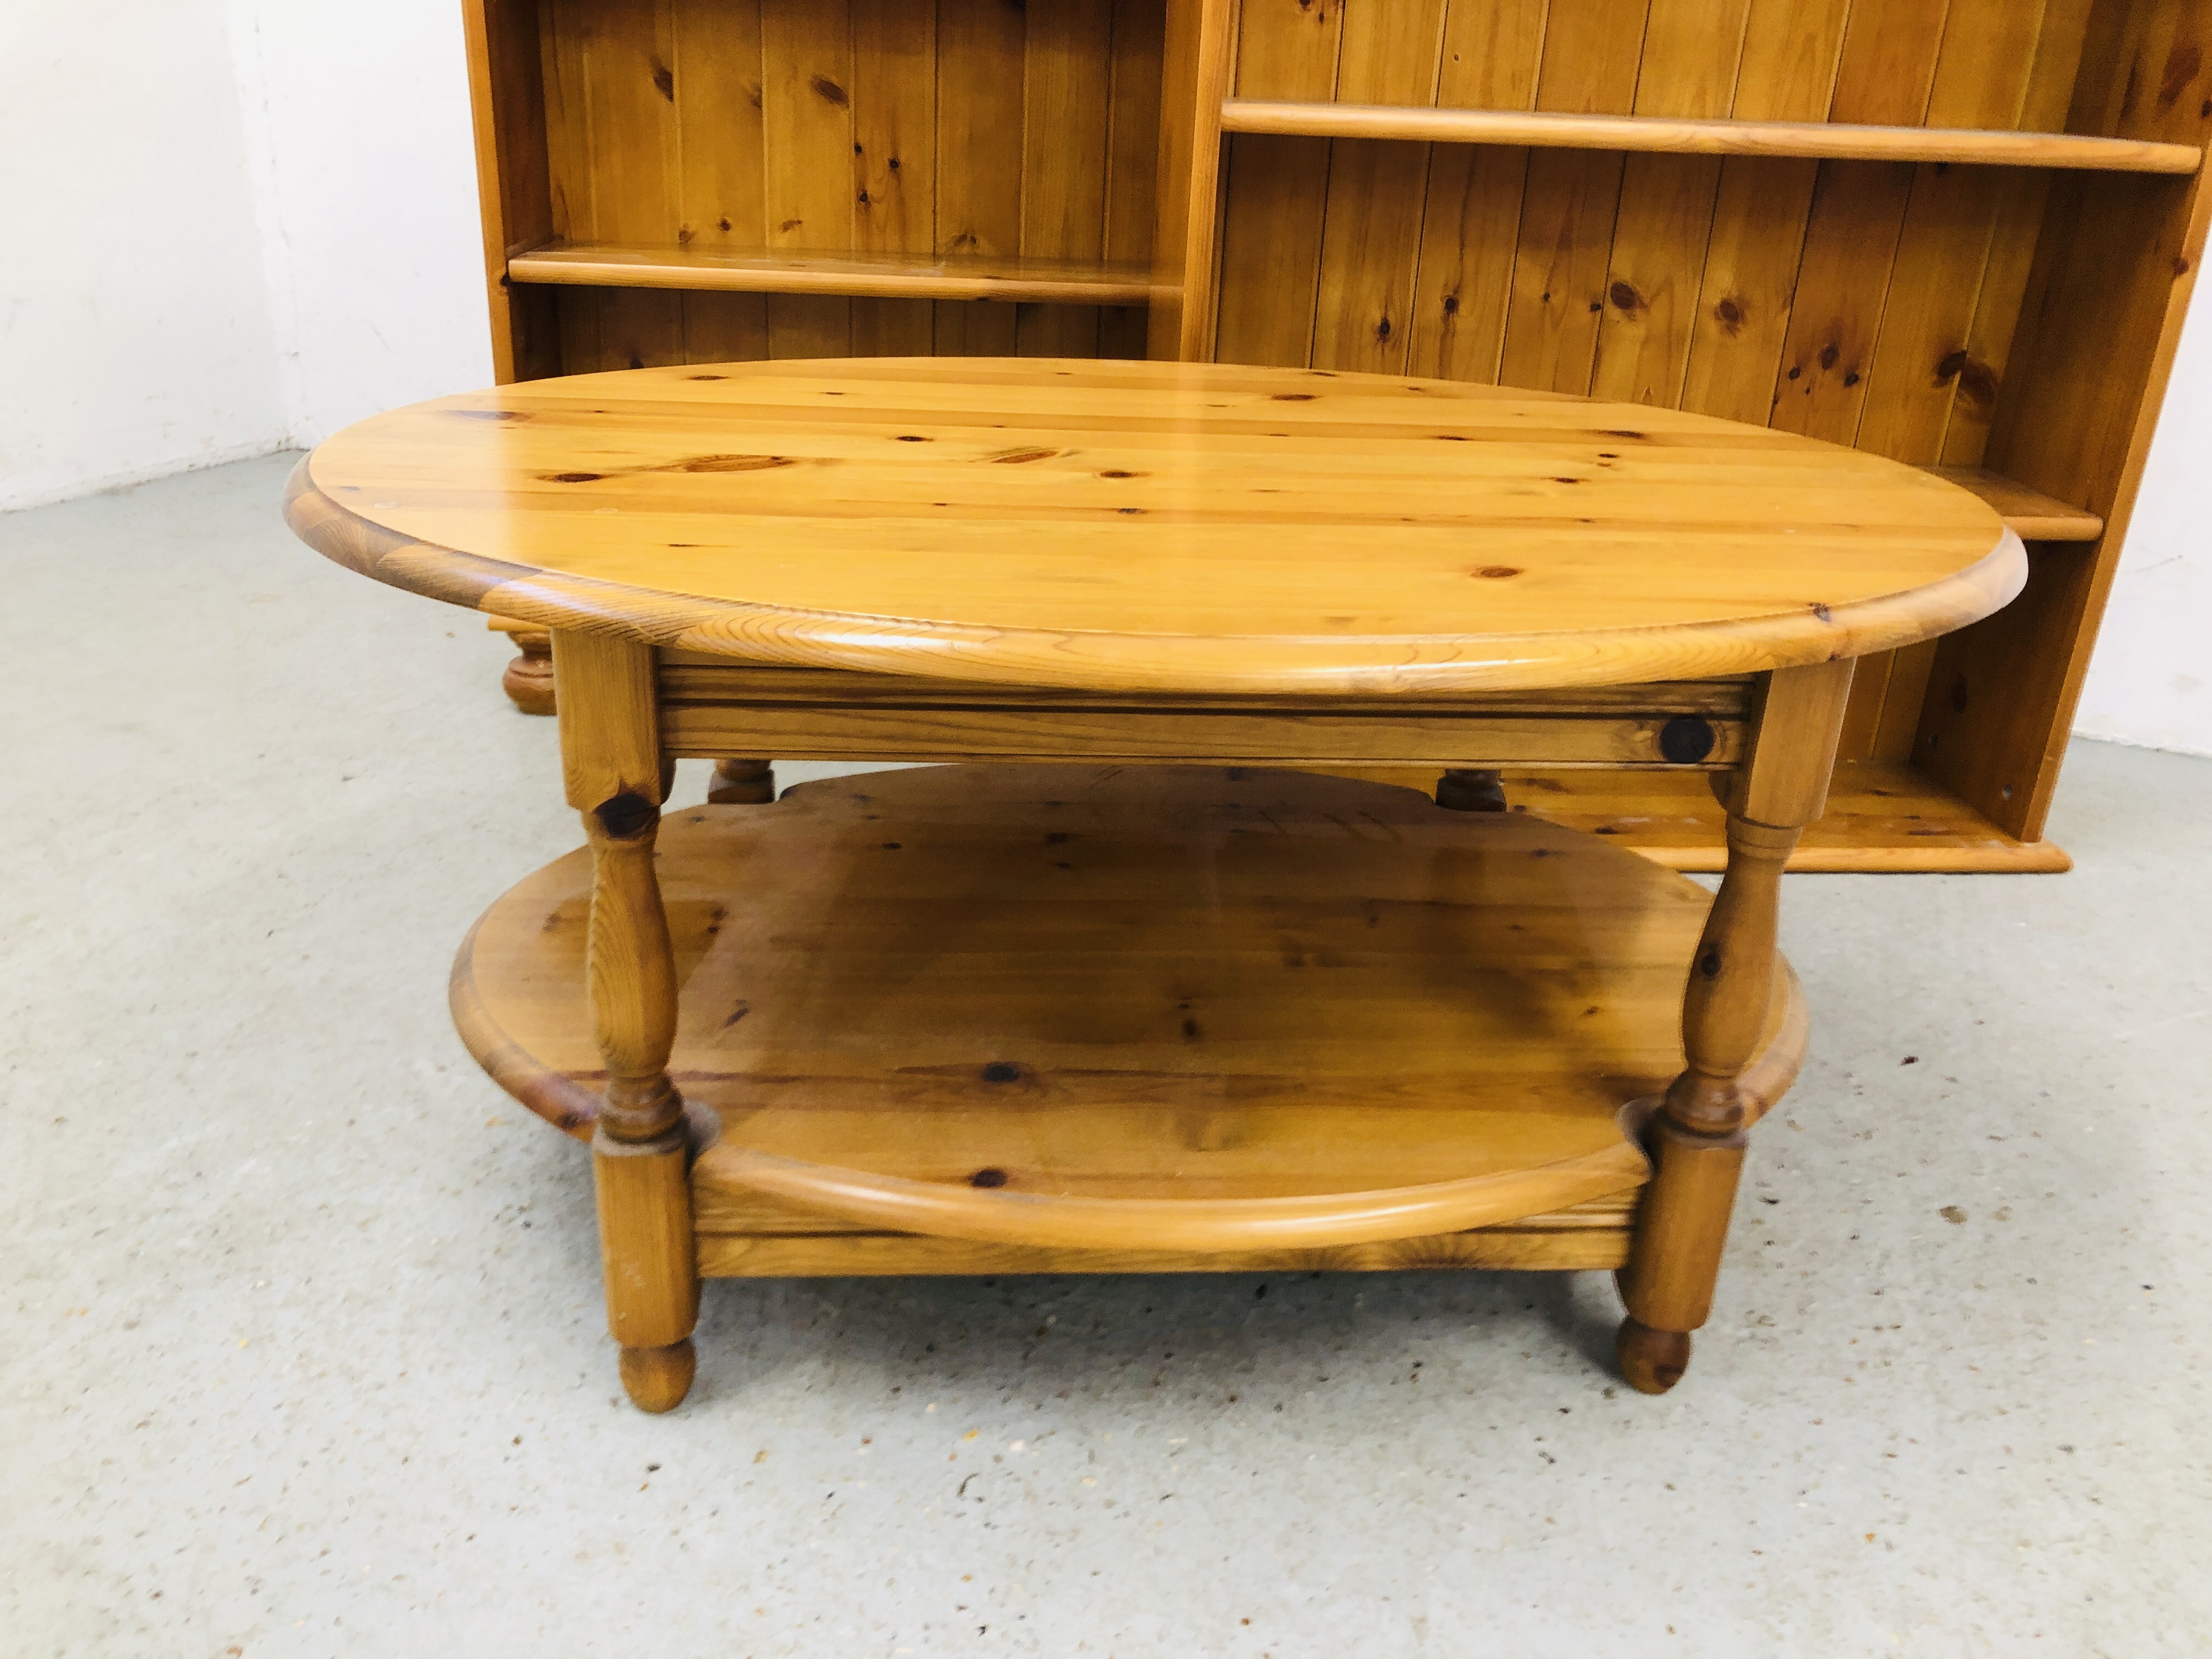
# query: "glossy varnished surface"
[1164,526]
[1130,1008]
[1841,140]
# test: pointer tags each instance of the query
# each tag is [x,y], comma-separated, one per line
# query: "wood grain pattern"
[1211,505]
[694,149]
[1841,140]
[1591,56]
[1787,72]
[716,77]
[1675,1259]
[1065,107]
[979,160]
[1883,816]
[1278,189]
[1907,370]
[736,1212]
[894,64]
[1137,71]
[744,1213]
[1983,359]
[1690,56]
[894,61]
[1371,220]
[1843,284]
[1198,39]
[1511,1248]
[2032,515]
[807,110]
[1982,77]
[506,100]
[609,752]
[1140,967]
[764,270]
[1950,343]
[717,80]
[941,732]
[1471,222]
[1795,721]
[609,732]
[1736,979]
[650,1264]
[2115,270]
[696,678]
[613,142]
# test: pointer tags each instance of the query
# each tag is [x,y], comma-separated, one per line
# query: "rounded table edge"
[1169,664]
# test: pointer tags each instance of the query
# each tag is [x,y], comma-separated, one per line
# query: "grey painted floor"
[301,1351]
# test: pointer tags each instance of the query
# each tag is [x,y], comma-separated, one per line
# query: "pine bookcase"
[1957,233]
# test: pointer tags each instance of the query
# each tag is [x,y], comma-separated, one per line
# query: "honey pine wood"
[1911,226]
[923,516]
[611,765]
[951,278]
[1165,1012]
[1892,304]
[1144,561]
[1650,134]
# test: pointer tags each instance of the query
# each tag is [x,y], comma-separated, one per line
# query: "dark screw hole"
[1685,740]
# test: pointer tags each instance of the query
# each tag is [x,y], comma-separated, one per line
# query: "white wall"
[238,223]
[136,337]
[2150,682]
[364,175]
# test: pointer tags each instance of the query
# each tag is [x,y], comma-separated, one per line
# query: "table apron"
[1208,737]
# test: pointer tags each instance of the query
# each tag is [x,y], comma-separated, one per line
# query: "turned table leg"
[742,783]
[640,1155]
[529,677]
[529,682]
[1471,789]
[1698,1136]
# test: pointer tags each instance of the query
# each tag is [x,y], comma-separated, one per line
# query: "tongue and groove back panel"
[2018,319]
[1657,278]
[1876,304]
[905,127]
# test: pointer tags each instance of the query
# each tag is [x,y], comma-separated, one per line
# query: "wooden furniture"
[1163,1005]
[1957,232]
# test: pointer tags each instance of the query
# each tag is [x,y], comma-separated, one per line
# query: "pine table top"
[1155,527]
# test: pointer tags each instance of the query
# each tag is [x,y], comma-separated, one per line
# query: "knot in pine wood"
[626,815]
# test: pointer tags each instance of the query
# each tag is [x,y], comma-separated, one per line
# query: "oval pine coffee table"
[1127,981]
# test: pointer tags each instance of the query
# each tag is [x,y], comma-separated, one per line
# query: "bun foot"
[1466,789]
[657,1379]
[529,677]
[1651,1362]
[742,783]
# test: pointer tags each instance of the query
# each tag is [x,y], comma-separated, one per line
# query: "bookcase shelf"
[1883,815]
[885,275]
[1962,237]
[1659,135]
[2033,515]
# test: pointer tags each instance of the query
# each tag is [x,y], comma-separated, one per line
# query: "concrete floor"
[301,1351]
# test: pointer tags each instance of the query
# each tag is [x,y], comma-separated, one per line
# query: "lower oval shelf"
[1157,1009]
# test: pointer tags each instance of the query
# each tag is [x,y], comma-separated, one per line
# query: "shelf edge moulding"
[1835,141]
